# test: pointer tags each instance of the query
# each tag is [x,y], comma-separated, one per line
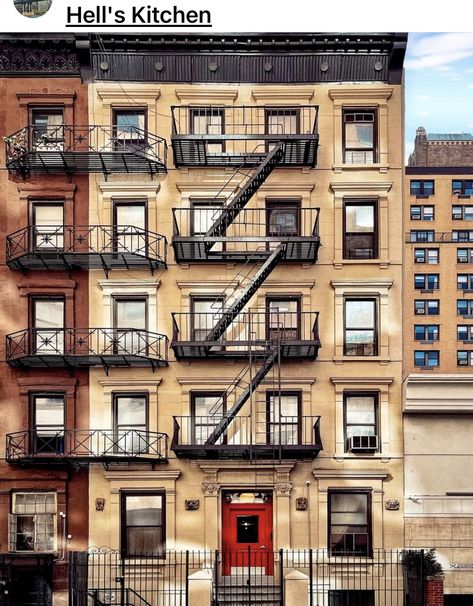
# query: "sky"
[439,84]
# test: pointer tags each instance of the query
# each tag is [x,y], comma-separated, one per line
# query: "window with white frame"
[32,523]
[465,358]
[426,255]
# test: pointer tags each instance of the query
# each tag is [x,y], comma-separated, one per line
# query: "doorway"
[247,536]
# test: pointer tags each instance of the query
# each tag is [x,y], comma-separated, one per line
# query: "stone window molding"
[109,192]
[283,95]
[346,479]
[361,190]
[378,385]
[206,95]
[61,192]
[376,288]
[360,97]
[53,288]
[111,288]
[139,480]
[59,98]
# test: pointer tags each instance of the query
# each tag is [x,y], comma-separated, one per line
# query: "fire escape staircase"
[265,360]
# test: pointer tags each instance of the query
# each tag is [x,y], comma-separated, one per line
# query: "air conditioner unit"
[462,362]
[356,443]
[420,312]
[420,260]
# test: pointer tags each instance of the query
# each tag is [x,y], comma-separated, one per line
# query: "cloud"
[439,50]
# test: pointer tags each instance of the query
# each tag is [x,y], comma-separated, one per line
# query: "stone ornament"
[210,489]
[99,504]
[302,504]
[392,505]
[192,504]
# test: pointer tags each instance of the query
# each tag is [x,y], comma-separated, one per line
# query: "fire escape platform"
[290,349]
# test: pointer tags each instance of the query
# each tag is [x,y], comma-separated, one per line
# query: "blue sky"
[439,84]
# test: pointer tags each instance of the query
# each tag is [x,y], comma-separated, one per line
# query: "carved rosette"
[283,489]
[210,489]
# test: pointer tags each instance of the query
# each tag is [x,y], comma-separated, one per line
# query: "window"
[462,187]
[462,212]
[204,213]
[464,307]
[465,281]
[283,317]
[360,230]
[205,313]
[426,332]
[281,121]
[129,128]
[207,408]
[426,255]
[48,416]
[360,327]
[130,318]
[283,418]
[349,522]
[130,423]
[422,235]
[426,281]
[422,187]
[143,523]
[47,321]
[361,414]
[465,358]
[48,128]
[209,121]
[282,218]
[129,225]
[423,307]
[464,255]
[47,220]
[426,359]
[465,332]
[32,523]
[462,235]
[422,213]
[359,136]
[351,597]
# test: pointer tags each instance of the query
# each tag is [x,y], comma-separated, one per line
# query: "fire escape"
[253,140]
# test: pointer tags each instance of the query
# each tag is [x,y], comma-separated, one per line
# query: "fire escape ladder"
[222,427]
[228,315]
[230,211]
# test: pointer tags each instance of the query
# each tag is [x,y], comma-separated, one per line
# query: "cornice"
[207,94]
[136,91]
[111,189]
[127,476]
[439,378]
[359,92]
[292,186]
[361,186]
[368,283]
[202,187]
[362,380]
[303,95]
[134,284]
[350,474]
[206,380]
[110,382]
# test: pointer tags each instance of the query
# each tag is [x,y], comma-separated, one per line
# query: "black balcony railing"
[75,347]
[213,135]
[67,149]
[292,436]
[252,235]
[86,247]
[84,445]
[295,332]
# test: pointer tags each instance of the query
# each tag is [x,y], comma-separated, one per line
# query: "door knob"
[262,546]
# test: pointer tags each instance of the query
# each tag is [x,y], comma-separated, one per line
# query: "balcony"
[71,247]
[296,333]
[85,347]
[252,236]
[86,446]
[69,150]
[242,135]
[294,437]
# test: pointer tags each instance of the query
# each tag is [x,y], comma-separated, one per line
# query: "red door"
[247,536]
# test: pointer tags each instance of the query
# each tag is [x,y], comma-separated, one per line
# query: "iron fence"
[248,577]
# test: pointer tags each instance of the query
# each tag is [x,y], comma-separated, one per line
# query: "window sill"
[379,359]
[382,168]
[427,291]
[428,341]
[378,262]
[426,367]
[467,290]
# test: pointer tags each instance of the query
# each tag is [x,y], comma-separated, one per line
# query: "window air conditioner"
[356,443]
[462,362]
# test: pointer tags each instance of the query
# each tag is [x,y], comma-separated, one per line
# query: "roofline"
[439,170]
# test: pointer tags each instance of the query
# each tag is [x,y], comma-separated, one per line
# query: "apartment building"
[44,395]
[438,355]
[239,255]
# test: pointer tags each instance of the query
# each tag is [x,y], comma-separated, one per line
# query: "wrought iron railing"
[80,241]
[90,345]
[246,431]
[248,576]
[84,140]
[255,326]
[86,444]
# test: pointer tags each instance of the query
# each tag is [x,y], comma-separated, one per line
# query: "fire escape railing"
[85,149]
[89,246]
[86,444]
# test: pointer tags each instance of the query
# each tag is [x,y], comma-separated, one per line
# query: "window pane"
[131,314]
[48,313]
[146,541]
[49,411]
[359,314]
[286,406]
[358,136]
[131,410]
[360,409]
[359,218]
[131,214]
[144,510]
[205,406]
